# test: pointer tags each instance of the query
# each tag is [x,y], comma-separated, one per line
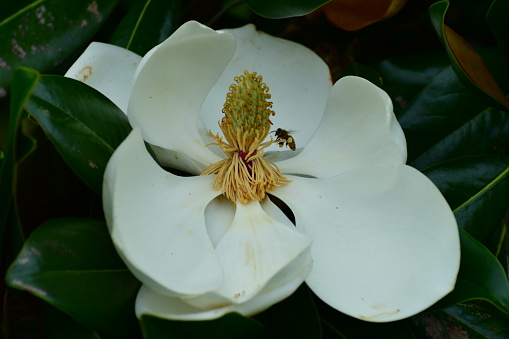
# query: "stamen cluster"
[245,175]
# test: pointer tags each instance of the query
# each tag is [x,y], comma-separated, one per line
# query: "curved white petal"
[385,242]
[219,216]
[157,222]
[275,212]
[252,251]
[358,129]
[171,86]
[220,212]
[264,245]
[150,302]
[299,82]
[109,69]
[188,29]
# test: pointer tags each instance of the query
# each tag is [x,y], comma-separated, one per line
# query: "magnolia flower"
[369,235]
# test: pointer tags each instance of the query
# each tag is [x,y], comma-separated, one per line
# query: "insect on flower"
[283,136]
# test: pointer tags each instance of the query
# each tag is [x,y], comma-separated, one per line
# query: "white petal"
[276,213]
[157,222]
[171,86]
[253,250]
[220,212]
[150,302]
[109,69]
[358,129]
[299,82]
[188,29]
[219,216]
[385,242]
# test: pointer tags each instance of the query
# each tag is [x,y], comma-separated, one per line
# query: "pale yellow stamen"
[245,175]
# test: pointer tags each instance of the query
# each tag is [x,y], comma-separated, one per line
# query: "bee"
[285,137]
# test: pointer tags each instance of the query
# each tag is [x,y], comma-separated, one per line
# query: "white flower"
[373,237]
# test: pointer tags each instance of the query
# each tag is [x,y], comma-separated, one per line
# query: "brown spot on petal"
[84,73]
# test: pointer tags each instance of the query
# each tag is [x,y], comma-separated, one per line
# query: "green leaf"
[147,24]
[477,189]
[497,21]
[470,320]
[480,277]
[464,59]
[231,325]
[404,77]
[9,8]
[72,264]
[84,125]
[479,204]
[482,319]
[442,107]
[23,84]
[294,317]
[45,33]
[487,132]
[284,8]
[45,186]
[60,326]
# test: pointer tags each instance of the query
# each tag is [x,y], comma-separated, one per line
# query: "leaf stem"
[224,11]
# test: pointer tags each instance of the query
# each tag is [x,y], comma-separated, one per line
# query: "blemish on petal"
[364,317]
[84,73]
[218,305]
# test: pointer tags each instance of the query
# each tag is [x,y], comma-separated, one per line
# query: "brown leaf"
[473,66]
[352,15]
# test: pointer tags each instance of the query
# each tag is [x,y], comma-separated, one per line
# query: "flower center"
[245,175]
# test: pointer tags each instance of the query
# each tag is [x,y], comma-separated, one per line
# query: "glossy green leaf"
[45,187]
[480,277]
[23,84]
[502,250]
[147,24]
[84,125]
[470,320]
[479,205]
[480,202]
[294,317]
[284,8]
[442,107]
[229,326]
[497,21]
[45,33]
[72,264]
[60,326]
[9,8]
[464,59]
[487,132]
[404,77]
[482,319]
